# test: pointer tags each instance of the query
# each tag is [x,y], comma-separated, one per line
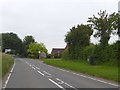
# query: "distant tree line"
[78,39]
[27,47]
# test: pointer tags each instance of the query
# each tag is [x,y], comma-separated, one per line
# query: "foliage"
[76,39]
[49,55]
[65,54]
[106,54]
[7,62]
[0,41]
[12,41]
[105,25]
[118,24]
[26,41]
[34,48]
[89,51]
[79,35]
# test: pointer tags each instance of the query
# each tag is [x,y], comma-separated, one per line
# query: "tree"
[118,42]
[0,42]
[26,41]
[12,41]
[105,25]
[80,35]
[34,48]
[77,38]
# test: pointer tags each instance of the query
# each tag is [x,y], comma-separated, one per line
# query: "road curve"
[28,73]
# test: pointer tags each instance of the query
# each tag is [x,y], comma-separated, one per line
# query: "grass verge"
[0,65]
[7,62]
[104,71]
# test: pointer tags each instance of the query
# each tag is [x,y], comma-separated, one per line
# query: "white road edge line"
[89,77]
[63,70]
[40,73]
[97,80]
[6,82]
[57,84]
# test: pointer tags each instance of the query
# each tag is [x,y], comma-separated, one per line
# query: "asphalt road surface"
[28,73]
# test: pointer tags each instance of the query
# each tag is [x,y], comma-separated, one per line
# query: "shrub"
[65,54]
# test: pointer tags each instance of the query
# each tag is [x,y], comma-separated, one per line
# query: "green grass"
[7,62]
[0,65]
[103,71]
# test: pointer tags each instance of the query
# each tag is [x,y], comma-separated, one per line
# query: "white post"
[39,54]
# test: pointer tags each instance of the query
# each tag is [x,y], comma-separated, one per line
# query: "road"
[28,73]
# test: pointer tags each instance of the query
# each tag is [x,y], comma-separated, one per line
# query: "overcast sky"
[49,20]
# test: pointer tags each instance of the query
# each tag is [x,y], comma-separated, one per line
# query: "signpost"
[39,54]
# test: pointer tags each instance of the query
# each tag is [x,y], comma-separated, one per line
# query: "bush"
[65,54]
[49,56]
[79,53]
[99,53]
[105,54]
[89,51]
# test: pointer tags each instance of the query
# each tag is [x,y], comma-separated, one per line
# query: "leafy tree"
[118,42]
[12,41]
[105,25]
[34,48]
[0,42]
[80,35]
[77,38]
[26,41]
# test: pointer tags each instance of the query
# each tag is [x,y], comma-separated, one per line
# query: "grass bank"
[7,62]
[0,65]
[103,71]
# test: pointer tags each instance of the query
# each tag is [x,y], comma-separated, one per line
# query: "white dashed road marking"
[66,84]
[33,68]
[37,67]
[40,73]
[57,84]
[46,73]
[61,82]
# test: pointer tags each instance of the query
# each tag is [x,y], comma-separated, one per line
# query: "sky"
[48,21]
